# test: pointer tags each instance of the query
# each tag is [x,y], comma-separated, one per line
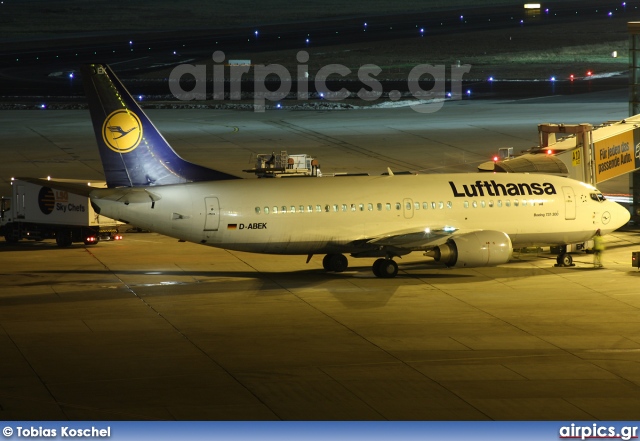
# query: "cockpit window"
[598,197]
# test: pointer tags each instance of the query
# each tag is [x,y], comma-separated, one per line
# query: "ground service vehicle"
[38,212]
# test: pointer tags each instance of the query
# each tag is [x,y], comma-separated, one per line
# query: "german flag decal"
[232,226]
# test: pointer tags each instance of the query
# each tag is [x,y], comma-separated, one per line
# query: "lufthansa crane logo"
[122,131]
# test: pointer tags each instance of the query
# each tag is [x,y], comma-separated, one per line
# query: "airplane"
[460,220]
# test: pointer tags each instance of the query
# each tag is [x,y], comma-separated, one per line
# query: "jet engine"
[480,248]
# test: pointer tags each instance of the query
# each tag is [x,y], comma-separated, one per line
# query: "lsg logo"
[367,74]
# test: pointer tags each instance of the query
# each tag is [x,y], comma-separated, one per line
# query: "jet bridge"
[586,153]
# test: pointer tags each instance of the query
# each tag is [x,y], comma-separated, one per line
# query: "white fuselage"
[338,215]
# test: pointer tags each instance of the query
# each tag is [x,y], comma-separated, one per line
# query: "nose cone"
[620,216]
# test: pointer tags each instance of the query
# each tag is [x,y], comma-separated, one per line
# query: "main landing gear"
[335,262]
[383,268]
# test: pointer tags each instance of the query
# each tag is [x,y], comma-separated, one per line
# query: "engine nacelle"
[480,248]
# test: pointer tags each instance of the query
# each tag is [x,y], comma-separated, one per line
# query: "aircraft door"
[407,208]
[212,215]
[569,203]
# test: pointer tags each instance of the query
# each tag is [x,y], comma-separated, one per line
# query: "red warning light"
[496,159]
[549,152]
[571,77]
[589,73]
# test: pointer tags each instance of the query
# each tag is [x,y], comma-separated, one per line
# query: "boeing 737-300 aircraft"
[461,220]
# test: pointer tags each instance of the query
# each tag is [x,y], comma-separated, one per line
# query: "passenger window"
[425,205]
[475,204]
[407,206]
[370,207]
[301,208]
[524,203]
[266,210]
[275,210]
[388,206]
[491,204]
[327,208]
[416,205]
[293,209]
[257,210]
[379,206]
[284,209]
[310,208]
[466,204]
[449,204]
[516,202]
[361,207]
[335,208]
[441,205]
[344,207]
[507,203]
[499,203]
[483,204]
[433,205]
[318,209]
[398,206]
[353,207]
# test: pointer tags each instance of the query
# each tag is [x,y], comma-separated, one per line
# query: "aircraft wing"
[125,195]
[413,240]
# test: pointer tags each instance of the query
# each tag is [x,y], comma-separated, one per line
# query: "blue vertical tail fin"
[133,151]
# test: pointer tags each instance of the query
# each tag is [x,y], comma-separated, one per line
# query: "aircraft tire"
[385,268]
[335,262]
[376,267]
[564,259]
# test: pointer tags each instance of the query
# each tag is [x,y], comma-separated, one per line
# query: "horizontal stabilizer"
[79,188]
[126,195]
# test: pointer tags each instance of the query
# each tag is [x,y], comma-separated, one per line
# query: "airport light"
[552,79]
[490,79]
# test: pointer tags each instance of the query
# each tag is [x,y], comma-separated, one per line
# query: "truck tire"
[12,234]
[92,242]
[63,238]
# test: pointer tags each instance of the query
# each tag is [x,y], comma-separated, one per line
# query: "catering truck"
[38,212]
